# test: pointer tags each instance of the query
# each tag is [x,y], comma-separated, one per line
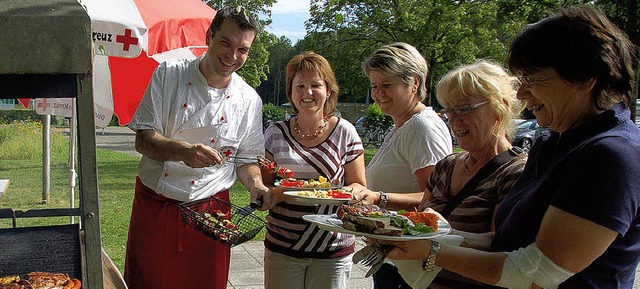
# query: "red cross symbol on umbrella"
[126,39]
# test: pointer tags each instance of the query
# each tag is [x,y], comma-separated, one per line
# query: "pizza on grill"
[40,280]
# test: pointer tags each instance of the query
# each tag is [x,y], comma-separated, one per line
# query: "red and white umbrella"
[131,37]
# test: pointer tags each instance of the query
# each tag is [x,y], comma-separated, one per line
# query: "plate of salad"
[311,184]
[321,196]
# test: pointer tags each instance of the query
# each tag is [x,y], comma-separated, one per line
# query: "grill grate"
[54,249]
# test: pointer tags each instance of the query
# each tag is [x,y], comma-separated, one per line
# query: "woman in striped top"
[312,143]
[480,103]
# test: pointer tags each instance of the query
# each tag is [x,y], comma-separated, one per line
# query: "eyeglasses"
[463,109]
[526,81]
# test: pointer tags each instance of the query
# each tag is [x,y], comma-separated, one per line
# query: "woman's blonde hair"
[483,81]
[401,60]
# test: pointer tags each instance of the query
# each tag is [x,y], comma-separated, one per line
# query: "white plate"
[332,223]
[277,184]
[313,201]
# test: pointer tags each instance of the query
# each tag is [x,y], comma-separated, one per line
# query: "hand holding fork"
[372,255]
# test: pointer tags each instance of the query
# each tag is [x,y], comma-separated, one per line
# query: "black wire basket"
[221,220]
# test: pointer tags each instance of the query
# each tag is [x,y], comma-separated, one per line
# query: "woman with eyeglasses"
[480,102]
[397,173]
[466,188]
[572,220]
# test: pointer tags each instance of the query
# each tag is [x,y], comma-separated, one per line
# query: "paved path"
[246,259]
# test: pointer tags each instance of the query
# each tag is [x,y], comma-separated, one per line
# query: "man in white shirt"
[194,115]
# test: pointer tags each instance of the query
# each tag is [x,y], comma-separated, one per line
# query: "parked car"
[361,125]
[526,134]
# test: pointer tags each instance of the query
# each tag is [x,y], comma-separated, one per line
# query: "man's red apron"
[163,253]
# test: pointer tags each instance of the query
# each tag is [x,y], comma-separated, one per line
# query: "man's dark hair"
[237,15]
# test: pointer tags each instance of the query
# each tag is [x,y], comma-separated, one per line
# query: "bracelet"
[428,264]
[384,199]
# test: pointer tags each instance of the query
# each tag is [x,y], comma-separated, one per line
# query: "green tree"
[346,61]
[448,33]
[273,89]
[624,13]
[255,69]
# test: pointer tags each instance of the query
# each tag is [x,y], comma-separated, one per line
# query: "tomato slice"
[339,195]
[289,183]
[288,174]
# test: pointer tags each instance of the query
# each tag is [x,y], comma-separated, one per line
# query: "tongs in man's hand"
[265,163]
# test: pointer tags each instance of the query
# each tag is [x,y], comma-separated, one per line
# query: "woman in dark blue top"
[573,218]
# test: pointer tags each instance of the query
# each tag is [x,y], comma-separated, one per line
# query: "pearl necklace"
[315,134]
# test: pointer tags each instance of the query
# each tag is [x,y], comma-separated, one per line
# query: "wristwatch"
[383,200]
[428,264]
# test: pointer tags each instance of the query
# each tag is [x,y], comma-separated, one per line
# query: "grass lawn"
[21,163]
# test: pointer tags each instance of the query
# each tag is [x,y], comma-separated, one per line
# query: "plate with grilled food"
[321,196]
[372,222]
[306,185]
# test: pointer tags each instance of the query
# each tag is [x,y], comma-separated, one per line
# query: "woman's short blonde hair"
[483,81]
[401,60]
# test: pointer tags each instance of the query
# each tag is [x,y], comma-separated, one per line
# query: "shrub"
[376,118]
[28,115]
[271,113]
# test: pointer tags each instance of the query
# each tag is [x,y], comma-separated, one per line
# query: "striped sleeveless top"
[287,232]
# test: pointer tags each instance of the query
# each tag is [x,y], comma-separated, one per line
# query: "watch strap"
[384,199]
[430,263]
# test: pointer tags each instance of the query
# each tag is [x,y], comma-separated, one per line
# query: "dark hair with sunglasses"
[580,43]
[237,15]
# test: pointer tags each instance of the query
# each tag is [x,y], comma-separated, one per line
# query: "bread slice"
[371,225]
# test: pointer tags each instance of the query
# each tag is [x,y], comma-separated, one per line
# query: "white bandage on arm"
[528,266]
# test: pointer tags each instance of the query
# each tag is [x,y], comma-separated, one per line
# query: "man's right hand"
[200,156]
[160,148]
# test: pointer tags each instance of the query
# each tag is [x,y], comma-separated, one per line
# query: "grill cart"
[46,52]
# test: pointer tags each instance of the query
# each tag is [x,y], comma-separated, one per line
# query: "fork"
[372,255]
[381,251]
[373,258]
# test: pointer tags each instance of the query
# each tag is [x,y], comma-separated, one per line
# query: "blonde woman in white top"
[397,74]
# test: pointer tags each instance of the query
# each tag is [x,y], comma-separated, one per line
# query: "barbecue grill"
[46,52]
